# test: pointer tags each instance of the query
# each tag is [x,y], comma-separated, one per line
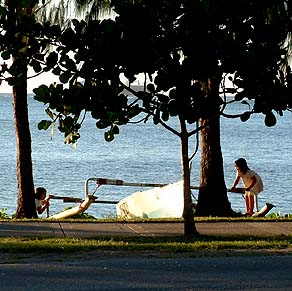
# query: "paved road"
[105,271]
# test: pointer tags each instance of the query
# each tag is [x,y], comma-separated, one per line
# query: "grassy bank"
[143,244]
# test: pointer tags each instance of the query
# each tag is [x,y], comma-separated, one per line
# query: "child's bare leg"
[246,203]
[250,199]
[251,203]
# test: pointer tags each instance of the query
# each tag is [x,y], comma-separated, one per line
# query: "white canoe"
[159,202]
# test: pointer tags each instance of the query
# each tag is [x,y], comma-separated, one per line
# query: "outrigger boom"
[117,182]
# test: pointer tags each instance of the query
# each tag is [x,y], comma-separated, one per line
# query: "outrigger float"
[161,201]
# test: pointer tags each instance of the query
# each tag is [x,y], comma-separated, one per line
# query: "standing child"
[252,182]
[41,203]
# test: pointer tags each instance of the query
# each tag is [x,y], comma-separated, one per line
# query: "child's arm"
[43,207]
[236,181]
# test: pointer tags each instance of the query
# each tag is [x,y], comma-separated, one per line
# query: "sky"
[45,78]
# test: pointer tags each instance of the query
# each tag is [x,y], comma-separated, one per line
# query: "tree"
[22,42]
[184,67]
[26,42]
[254,51]
[270,16]
[61,12]
[14,43]
[102,90]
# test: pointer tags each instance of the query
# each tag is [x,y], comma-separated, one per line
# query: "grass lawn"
[158,244]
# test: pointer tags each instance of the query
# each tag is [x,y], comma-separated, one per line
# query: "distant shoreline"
[134,87]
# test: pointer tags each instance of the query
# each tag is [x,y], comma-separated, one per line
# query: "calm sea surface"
[142,153]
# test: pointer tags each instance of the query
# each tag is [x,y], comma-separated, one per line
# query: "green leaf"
[101,124]
[64,77]
[151,88]
[67,123]
[109,136]
[52,60]
[172,107]
[75,22]
[42,94]
[68,36]
[270,119]
[13,81]
[115,129]
[9,80]
[6,55]
[56,71]
[44,124]
[245,116]
[70,65]
[36,66]
[165,116]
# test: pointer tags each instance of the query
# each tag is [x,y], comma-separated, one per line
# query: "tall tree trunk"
[212,199]
[188,215]
[25,201]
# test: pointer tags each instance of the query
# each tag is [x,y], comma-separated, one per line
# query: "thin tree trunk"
[188,215]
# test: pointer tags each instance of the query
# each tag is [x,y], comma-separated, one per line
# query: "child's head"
[40,193]
[241,165]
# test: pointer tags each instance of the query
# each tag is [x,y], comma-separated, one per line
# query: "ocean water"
[141,153]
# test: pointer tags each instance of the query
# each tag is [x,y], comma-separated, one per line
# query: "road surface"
[138,272]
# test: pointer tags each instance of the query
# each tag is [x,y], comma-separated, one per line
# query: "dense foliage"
[178,45]
[162,38]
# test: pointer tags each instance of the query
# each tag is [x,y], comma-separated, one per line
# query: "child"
[41,203]
[252,183]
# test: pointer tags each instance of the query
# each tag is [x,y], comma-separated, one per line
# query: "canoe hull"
[159,202]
